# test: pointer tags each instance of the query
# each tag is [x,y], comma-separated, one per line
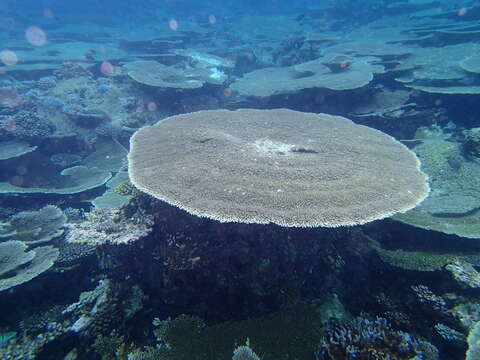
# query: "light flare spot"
[151,106]
[21,170]
[173,24]
[48,13]
[8,57]
[212,19]
[36,36]
[107,68]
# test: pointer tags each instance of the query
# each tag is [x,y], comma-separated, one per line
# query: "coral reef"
[111,347]
[427,297]
[453,202]
[153,73]
[97,314]
[94,312]
[112,197]
[465,274]
[29,127]
[73,252]
[35,333]
[188,337]
[71,99]
[415,260]
[244,352]
[18,266]
[149,353]
[233,168]
[34,227]
[372,339]
[471,143]
[14,148]
[473,351]
[313,74]
[109,226]
[449,334]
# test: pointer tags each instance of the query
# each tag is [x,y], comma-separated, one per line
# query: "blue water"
[144,216]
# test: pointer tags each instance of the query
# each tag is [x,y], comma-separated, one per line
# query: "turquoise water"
[239,179]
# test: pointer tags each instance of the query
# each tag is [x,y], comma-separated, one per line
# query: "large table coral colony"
[276,166]
[94,150]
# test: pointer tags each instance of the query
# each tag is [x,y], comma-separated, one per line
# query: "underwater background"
[144,216]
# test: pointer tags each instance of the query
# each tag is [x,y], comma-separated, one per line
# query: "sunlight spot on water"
[8,57]
[36,36]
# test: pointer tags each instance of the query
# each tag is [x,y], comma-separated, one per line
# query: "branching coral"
[371,339]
